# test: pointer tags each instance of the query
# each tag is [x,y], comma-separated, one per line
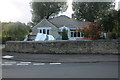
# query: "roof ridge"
[51,23]
[59,17]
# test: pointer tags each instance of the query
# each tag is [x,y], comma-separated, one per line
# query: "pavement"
[59,57]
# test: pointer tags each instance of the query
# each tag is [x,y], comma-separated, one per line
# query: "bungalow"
[55,25]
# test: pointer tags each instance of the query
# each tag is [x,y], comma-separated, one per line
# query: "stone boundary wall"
[65,47]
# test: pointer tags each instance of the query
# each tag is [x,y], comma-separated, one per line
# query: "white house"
[55,25]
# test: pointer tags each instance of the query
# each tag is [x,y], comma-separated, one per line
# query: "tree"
[116,29]
[14,30]
[88,11]
[64,34]
[41,10]
[109,21]
[91,31]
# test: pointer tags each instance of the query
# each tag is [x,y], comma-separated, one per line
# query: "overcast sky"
[15,10]
[19,10]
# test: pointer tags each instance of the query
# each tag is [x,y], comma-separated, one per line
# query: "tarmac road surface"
[17,69]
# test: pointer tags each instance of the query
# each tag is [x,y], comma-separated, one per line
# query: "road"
[17,69]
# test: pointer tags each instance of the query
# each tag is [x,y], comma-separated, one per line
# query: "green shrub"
[65,34]
[14,31]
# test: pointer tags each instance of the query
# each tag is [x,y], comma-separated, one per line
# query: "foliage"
[105,19]
[91,31]
[15,30]
[109,21]
[116,28]
[64,34]
[31,25]
[41,10]
[88,11]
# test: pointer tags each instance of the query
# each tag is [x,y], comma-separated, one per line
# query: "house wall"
[67,46]
[34,31]
[53,31]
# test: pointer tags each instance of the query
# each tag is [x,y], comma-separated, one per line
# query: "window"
[82,35]
[44,31]
[48,32]
[78,34]
[40,31]
[72,34]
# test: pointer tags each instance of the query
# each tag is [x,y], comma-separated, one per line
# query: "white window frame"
[72,36]
[42,28]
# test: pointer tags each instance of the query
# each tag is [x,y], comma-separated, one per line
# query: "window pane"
[43,31]
[40,31]
[78,34]
[82,35]
[74,34]
[48,32]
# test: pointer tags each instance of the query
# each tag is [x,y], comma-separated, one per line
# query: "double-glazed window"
[40,31]
[74,33]
[48,32]
[44,31]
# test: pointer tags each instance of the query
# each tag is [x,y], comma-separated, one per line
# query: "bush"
[64,34]
[5,39]
[92,31]
[14,30]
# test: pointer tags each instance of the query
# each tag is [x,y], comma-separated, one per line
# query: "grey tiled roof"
[61,21]
[68,22]
[44,23]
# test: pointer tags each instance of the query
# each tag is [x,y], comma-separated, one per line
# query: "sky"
[19,10]
[15,10]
